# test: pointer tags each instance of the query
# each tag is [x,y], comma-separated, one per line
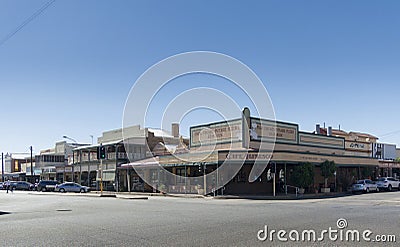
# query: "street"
[45,219]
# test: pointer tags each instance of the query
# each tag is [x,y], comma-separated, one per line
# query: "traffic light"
[101,153]
[272,167]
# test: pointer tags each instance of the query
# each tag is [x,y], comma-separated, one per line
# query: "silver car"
[364,185]
[71,187]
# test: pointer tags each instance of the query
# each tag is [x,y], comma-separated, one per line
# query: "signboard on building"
[358,146]
[244,156]
[223,132]
[321,140]
[266,130]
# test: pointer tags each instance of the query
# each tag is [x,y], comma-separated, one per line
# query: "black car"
[22,185]
[46,185]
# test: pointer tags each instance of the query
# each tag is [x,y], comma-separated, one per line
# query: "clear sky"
[69,71]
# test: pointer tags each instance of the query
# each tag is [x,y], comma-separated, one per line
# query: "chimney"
[318,129]
[329,133]
[175,130]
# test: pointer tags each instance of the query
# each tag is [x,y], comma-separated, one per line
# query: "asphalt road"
[40,219]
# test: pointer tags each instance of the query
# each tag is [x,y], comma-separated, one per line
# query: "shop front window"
[181,175]
[241,177]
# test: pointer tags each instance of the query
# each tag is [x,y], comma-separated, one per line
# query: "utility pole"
[101,154]
[2,167]
[274,180]
[205,178]
[32,180]
[101,177]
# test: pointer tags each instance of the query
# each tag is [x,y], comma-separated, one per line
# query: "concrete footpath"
[145,196]
[285,197]
[105,194]
[249,197]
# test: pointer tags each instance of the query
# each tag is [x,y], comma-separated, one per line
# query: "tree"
[367,172]
[303,175]
[328,169]
[397,159]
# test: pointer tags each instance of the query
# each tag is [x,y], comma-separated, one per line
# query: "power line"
[26,22]
[390,133]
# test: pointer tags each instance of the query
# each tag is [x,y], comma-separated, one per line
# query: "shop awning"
[153,161]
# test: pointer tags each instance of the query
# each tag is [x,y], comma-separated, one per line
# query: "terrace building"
[52,163]
[248,140]
[122,145]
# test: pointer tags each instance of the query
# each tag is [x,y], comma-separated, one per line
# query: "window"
[181,173]
[241,176]
[16,165]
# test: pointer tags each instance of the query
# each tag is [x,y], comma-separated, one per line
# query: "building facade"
[249,140]
[14,166]
[52,163]
[122,145]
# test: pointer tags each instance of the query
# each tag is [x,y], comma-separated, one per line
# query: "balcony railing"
[110,156]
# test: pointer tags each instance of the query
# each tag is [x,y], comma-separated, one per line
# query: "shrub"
[328,169]
[303,175]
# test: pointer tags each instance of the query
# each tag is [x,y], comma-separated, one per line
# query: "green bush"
[303,175]
[328,169]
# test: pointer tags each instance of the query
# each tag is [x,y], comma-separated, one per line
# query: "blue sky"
[69,71]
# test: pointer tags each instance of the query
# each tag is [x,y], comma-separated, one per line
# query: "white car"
[71,187]
[364,185]
[388,183]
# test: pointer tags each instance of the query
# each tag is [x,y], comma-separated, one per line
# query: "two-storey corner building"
[122,146]
[248,140]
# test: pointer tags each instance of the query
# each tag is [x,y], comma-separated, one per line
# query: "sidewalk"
[249,197]
[119,195]
[108,194]
[285,197]
[128,194]
[146,195]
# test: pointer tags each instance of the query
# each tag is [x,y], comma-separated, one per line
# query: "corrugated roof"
[20,156]
[160,132]
[97,145]
[363,134]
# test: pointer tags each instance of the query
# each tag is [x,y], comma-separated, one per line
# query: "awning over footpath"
[149,162]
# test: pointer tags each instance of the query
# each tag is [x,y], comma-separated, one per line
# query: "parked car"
[388,183]
[46,185]
[1,185]
[22,185]
[71,187]
[139,186]
[365,186]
